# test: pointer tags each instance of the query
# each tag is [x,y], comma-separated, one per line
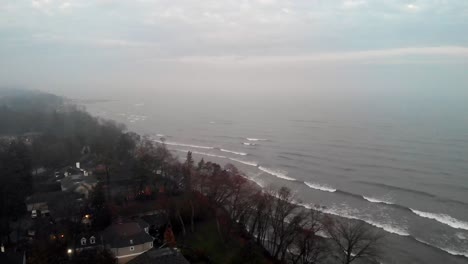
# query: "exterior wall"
[124,255]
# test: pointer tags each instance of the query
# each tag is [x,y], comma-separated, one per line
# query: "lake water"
[406,173]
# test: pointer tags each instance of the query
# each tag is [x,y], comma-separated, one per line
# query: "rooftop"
[126,234]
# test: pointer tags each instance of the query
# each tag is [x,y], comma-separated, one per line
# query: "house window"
[92,240]
[83,241]
[132,248]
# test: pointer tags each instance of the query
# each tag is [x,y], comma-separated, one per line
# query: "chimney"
[77,165]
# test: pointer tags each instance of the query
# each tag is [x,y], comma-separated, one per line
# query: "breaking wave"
[182,145]
[256,139]
[201,153]
[374,200]
[249,144]
[342,213]
[448,250]
[233,152]
[443,218]
[198,146]
[276,173]
[250,163]
[319,187]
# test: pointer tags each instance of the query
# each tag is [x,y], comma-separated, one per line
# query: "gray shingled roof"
[125,235]
[160,256]
[46,197]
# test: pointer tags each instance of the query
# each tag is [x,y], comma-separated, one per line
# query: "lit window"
[92,240]
[83,241]
[132,248]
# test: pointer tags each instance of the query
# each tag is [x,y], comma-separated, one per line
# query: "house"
[87,241]
[60,204]
[73,171]
[127,240]
[70,171]
[38,201]
[160,256]
[79,183]
[42,201]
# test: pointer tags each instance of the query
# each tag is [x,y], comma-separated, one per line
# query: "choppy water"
[408,177]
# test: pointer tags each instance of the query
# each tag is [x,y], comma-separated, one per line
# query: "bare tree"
[280,228]
[260,217]
[354,240]
[308,247]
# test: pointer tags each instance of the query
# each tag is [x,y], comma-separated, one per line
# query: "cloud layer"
[83,42]
[236,28]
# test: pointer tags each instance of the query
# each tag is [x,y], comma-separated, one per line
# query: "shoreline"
[414,242]
[437,253]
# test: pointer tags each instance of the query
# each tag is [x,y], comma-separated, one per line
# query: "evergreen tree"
[201,164]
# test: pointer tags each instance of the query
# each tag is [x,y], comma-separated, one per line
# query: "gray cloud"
[80,43]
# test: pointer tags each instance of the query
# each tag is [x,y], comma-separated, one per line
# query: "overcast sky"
[118,48]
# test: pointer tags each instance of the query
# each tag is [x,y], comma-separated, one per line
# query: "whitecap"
[319,187]
[276,173]
[256,139]
[182,145]
[233,152]
[443,218]
[375,200]
[460,236]
[249,144]
[202,153]
[250,163]
[258,182]
[448,250]
[342,213]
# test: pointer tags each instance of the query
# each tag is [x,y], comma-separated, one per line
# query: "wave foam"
[448,250]
[389,228]
[261,184]
[182,145]
[249,144]
[201,153]
[443,218]
[233,152]
[256,139]
[250,163]
[319,187]
[374,200]
[276,173]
